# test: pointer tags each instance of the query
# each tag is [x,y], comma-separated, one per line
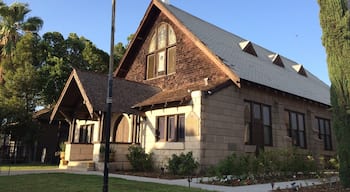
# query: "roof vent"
[247,47]
[276,59]
[300,69]
[166,1]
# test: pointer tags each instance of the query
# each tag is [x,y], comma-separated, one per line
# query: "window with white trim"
[85,133]
[171,128]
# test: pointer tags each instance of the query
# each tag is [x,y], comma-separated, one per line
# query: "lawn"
[58,182]
[26,167]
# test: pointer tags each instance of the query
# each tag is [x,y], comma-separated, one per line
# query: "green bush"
[273,163]
[139,160]
[184,164]
[236,165]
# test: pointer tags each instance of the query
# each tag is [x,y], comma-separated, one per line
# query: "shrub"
[272,163]
[184,164]
[237,165]
[139,160]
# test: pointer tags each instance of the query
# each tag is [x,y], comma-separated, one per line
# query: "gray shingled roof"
[125,93]
[258,69]
[90,89]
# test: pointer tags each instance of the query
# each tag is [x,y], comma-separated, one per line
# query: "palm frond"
[33,24]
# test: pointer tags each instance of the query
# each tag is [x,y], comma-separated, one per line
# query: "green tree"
[119,50]
[335,23]
[13,24]
[59,56]
[95,59]
[54,66]
[19,93]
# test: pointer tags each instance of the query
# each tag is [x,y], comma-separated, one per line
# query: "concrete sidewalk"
[179,182]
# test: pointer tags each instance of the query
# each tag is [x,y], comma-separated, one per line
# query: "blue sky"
[288,27]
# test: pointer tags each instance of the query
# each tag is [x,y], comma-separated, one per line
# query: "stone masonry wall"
[223,121]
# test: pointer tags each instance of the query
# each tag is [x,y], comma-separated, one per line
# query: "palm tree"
[13,24]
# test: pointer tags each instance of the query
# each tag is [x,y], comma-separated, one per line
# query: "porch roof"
[183,95]
[84,96]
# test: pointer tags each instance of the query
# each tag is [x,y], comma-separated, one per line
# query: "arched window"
[161,58]
[121,130]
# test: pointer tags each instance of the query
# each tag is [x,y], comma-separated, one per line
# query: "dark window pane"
[181,128]
[328,142]
[171,128]
[301,122]
[321,128]
[327,128]
[266,115]
[293,121]
[161,128]
[301,139]
[256,111]
[90,133]
[267,135]
[287,121]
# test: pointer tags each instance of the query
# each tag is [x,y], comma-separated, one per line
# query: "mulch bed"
[334,187]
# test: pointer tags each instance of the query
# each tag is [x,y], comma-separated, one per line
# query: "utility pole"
[109,103]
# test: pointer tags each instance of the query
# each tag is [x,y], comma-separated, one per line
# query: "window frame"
[169,63]
[325,137]
[170,128]
[298,134]
[86,133]
[252,115]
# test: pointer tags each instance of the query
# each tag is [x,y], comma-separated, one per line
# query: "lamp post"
[109,103]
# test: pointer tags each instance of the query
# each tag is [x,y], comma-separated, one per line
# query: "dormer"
[247,47]
[300,69]
[276,59]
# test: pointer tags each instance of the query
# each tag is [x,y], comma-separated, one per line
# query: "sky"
[290,28]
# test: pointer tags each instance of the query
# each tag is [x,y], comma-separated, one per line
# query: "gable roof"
[225,50]
[257,69]
[86,92]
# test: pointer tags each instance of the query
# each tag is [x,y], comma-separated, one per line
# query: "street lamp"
[109,103]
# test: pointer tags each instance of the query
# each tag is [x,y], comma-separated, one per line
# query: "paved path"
[180,182]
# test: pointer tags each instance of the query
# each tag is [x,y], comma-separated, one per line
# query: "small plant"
[184,164]
[139,160]
[62,147]
[334,163]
